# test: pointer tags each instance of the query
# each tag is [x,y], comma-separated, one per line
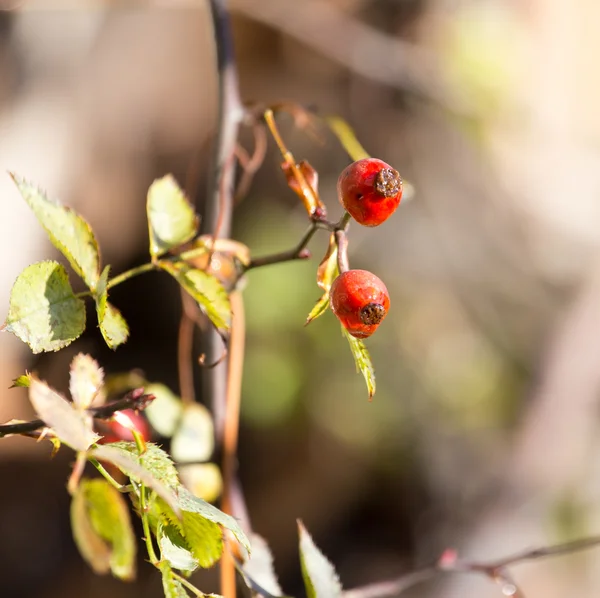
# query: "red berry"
[360,301]
[370,190]
[114,431]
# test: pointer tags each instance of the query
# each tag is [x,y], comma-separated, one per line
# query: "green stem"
[108,477]
[130,274]
[184,582]
[141,447]
[344,222]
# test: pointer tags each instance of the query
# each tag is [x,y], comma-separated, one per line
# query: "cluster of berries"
[370,190]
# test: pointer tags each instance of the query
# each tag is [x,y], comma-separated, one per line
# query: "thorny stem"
[135,399]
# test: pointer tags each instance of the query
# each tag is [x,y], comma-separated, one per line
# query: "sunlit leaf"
[189,503]
[258,570]
[171,218]
[203,480]
[320,578]
[102,516]
[328,270]
[23,381]
[44,312]
[326,274]
[157,461]
[86,379]
[174,549]
[346,136]
[137,471]
[319,309]
[171,587]
[164,412]
[67,231]
[194,437]
[362,358]
[112,324]
[205,289]
[72,427]
[94,550]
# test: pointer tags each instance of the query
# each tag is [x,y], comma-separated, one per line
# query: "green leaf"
[44,312]
[327,272]
[164,412]
[174,549]
[362,358]
[319,309]
[99,514]
[188,503]
[154,459]
[67,231]
[171,217]
[320,578]
[136,471]
[112,324]
[86,380]
[194,436]
[171,587]
[94,550]
[346,136]
[258,571]
[204,538]
[23,381]
[71,426]
[205,289]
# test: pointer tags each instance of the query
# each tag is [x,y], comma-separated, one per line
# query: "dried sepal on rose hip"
[360,301]
[370,190]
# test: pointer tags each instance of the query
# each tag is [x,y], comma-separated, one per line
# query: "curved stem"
[342,243]
[130,274]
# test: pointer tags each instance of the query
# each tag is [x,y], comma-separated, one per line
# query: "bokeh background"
[483,435]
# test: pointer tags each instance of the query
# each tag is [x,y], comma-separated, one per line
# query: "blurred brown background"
[483,432]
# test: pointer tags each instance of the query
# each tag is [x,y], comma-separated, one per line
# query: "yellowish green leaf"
[23,381]
[137,470]
[44,312]
[171,218]
[113,326]
[205,289]
[362,358]
[102,517]
[67,231]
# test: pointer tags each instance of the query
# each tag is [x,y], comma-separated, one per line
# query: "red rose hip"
[370,190]
[360,301]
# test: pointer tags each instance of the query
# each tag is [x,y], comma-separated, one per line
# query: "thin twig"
[217,216]
[135,399]
[494,570]
[218,206]
[300,252]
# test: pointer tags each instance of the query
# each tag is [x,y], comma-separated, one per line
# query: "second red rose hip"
[360,301]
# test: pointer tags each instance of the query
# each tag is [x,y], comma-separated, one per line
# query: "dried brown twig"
[496,571]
